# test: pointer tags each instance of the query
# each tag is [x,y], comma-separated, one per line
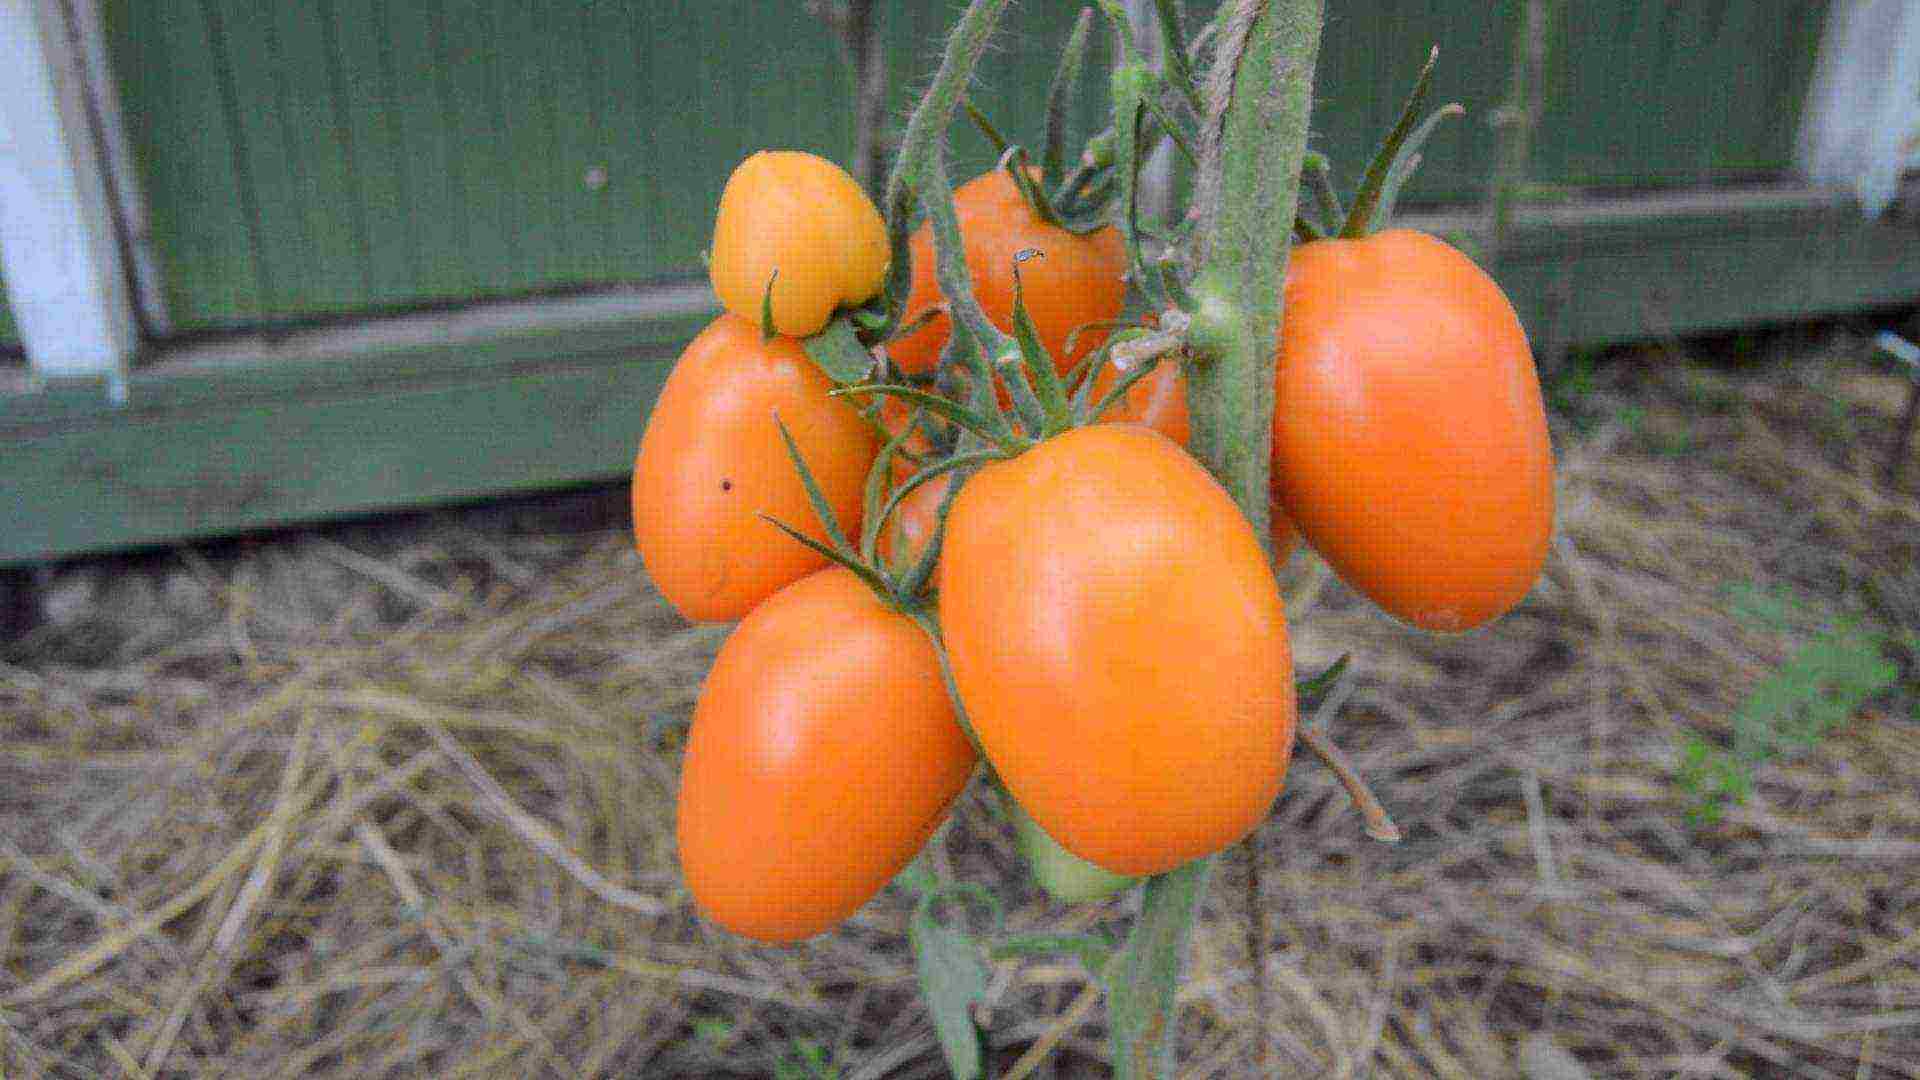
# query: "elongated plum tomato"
[1409,439]
[802,215]
[1078,281]
[1118,641]
[824,751]
[1159,400]
[712,461]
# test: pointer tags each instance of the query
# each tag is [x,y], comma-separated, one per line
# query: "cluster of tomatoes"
[1102,613]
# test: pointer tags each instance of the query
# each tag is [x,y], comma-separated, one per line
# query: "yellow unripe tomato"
[802,215]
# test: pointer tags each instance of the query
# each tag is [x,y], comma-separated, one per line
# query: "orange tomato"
[1119,643]
[1079,281]
[824,752]
[1160,402]
[804,216]
[712,461]
[1409,439]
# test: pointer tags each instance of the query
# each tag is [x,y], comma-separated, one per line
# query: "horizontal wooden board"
[217,444]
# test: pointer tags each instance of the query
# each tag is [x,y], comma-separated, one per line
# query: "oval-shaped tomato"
[824,752]
[1119,643]
[712,461]
[1409,439]
[1160,402]
[1080,279]
[802,215]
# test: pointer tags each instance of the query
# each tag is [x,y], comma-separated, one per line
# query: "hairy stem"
[1247,194]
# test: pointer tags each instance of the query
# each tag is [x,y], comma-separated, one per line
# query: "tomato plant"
[802,217]
[1077,280]
[1077,585]
[711,462]
[1107,629]
[823,754]
[1159,401]
[1409,437]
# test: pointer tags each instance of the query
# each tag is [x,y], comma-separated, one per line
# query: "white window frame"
[60,251]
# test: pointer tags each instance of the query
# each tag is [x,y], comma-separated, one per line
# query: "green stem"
[1248,194]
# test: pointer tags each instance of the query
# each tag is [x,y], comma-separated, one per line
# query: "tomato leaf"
[836,350]
[953,977]
[1407,161]
[1318,174]
[1092,950]
[1316,685]
[1143,978]
[1360,219]
[1059,97]
[767,330]
[1046,380]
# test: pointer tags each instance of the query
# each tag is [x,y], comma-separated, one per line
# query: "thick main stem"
[1246,196]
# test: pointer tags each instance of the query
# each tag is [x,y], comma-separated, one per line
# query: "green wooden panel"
[218,451]
[177,99]
[346,155]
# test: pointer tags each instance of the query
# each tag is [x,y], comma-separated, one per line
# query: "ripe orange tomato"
[1160,402]
[1409,439]
[712,461]
[824,752]
[804,216]
[1079,281]
[1119,643]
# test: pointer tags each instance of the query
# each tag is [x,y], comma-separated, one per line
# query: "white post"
[1861,127]
[58,251]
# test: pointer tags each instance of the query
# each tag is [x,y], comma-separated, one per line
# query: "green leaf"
[953,977]
[1407,161]
[987,129]
[1094,951]
[817,498]
[1144,978]
[767,330]
[1360,218]
[1060,97]
[1046,379]
[836,350]
[1319,179]
[947,409]
[1316,685]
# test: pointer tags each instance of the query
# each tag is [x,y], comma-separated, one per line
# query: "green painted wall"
[344,155]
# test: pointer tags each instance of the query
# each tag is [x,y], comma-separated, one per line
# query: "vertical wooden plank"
[369,101]
[68,287]
[183,143]
[489,182]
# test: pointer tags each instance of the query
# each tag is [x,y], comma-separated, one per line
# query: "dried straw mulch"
[396,798]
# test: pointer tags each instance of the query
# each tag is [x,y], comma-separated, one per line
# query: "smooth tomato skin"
[1409,441]
[1160,402]
[1119,643]
[806,217]
[1078,281]
[824,752]
[712,460]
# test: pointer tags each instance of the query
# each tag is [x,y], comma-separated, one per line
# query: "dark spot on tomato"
[726,485]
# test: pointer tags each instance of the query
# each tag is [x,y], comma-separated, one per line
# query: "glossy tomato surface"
[712,461]
[1410,441]
[824,752]
[1159,401]
[802,215]
[1119,644]
[1077,281]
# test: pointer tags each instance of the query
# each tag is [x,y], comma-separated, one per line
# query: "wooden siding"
[355,155]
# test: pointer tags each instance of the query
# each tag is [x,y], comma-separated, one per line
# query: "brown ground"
[396,798]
